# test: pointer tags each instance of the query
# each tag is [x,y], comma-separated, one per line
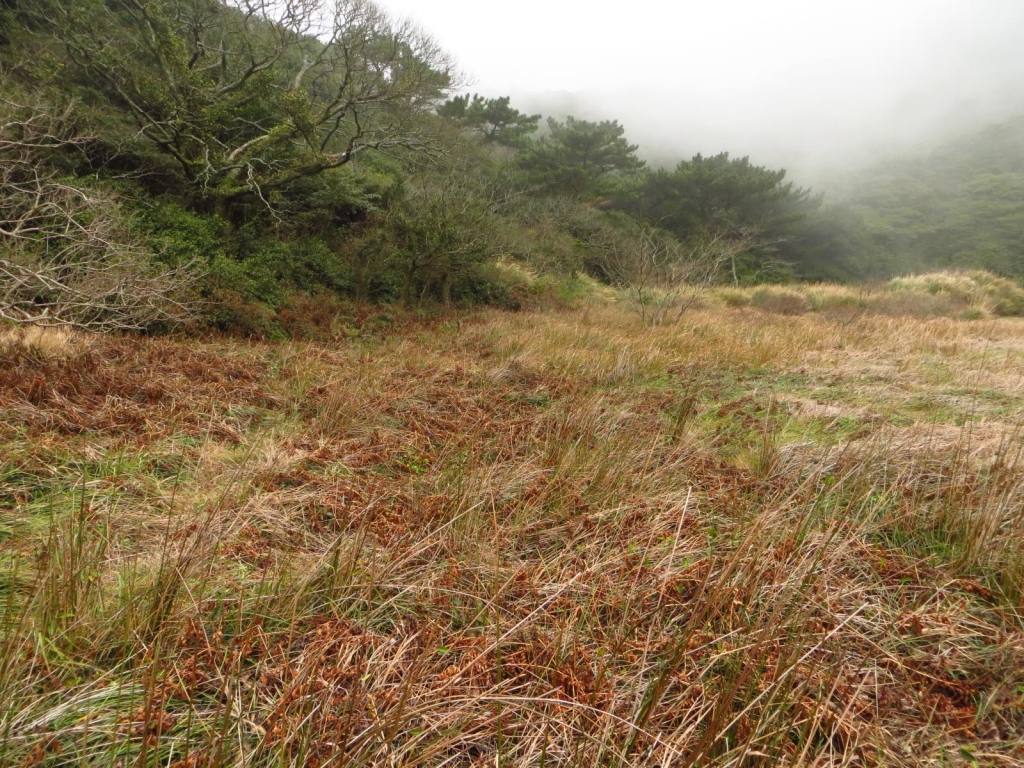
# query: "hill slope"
[962,205]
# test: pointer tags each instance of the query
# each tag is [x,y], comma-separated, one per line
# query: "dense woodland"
[959,205]
[235,155]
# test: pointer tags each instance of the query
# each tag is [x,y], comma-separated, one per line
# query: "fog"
[804,84]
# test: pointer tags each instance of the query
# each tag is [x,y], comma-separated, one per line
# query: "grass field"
[534,539]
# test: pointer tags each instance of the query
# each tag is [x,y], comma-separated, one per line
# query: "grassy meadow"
[772,534]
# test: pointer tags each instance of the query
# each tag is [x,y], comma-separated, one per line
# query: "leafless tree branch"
[326,80]
[66,257]
[663,278]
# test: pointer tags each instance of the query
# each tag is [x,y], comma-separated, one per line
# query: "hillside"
[224,169]
[958,205]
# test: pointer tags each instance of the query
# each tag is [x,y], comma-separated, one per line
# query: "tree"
[663,278]
[577,157]
[494,119]
[66,255]
[718,192]
[726,197]
[447,223]
[247,96]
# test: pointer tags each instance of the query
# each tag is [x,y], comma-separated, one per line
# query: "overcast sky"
[794,82]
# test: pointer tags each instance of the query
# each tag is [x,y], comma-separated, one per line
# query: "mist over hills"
[805,86]
[959,204]
[257,158]
[816,153]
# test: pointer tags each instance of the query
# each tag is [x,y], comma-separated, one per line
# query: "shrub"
[177,236]
[485,284]
[276,269]
[732,297]
[1005,298]
[975,288]
[779,301]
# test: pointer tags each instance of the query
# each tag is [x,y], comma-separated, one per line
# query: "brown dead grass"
[557,539]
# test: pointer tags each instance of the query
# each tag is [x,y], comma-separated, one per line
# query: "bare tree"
[66,256]
[664,278]
[246,96]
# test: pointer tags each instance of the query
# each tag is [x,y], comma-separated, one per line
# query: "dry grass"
[44,340]
[978,289]
[969,295]
[532,539]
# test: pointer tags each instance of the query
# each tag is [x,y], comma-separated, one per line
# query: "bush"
[975,288]
[177,236]
[732,297]
[486,284]
[779,301]
[277,269]
[1006,298]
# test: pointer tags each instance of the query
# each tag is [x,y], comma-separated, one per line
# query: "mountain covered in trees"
[958,205]
[235,154]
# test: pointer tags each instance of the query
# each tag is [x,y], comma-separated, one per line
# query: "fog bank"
[794,83]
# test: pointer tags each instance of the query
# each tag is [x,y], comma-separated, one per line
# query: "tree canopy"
[493,119]
[246,96]
[718,192]
[580,157]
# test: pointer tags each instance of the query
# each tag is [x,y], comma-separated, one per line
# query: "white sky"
[783,80]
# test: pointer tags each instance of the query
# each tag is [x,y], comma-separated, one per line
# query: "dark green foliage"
[719,192]
[177,235]
[958,206]
[494,119]
[275,268]
[724,195]
[581,158]
[329,203]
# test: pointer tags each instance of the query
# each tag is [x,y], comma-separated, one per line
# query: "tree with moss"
[244,97]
